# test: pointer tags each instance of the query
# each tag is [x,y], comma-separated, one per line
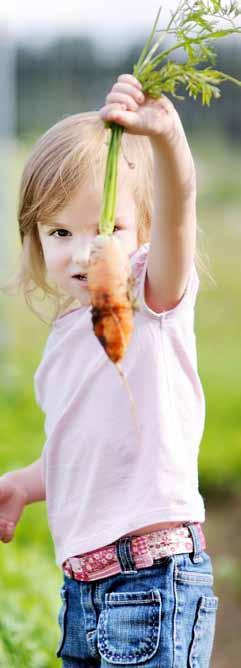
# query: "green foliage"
[193,25]
[30,599]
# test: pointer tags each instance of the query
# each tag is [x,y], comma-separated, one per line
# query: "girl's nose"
[81,254]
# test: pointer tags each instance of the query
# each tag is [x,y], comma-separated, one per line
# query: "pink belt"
[146,549]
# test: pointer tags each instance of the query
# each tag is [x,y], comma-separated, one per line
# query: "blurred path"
[224,546]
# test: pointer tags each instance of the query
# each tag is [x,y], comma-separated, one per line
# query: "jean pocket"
[62,618]
[129,626]
[191,573]
[203,632]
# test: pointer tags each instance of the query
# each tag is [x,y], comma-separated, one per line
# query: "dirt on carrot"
[111,290]
[112,310]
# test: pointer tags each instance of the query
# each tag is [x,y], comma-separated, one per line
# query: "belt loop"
[197,544]
[124,555]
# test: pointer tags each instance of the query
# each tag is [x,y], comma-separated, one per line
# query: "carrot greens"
[193,28]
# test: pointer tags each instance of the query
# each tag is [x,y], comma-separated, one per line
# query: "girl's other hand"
[126,105]
[12,502]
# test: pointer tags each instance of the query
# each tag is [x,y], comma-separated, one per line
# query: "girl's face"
[66,240]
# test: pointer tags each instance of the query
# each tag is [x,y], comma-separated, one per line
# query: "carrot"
[113,304]
[112,308]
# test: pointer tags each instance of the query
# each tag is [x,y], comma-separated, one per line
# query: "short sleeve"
[139,267]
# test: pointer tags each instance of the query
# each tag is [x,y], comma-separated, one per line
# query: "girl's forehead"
[90,197]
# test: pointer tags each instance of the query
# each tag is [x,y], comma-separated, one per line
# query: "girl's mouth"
[82,278]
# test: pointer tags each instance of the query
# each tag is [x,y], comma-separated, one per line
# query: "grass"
[218,317]
[29,594]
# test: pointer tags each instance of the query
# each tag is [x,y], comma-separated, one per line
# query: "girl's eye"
[63,233]
[53,233]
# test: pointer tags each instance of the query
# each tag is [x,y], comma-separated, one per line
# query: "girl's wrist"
[14,477]
[175,159]
[173,145]
[29,482]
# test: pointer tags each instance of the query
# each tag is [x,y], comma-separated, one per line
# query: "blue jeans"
[162,616]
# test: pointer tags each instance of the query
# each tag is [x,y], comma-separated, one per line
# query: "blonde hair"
[70,153]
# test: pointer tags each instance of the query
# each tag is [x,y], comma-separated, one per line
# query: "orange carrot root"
[112,312]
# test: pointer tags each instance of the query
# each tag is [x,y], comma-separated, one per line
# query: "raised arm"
[173,229]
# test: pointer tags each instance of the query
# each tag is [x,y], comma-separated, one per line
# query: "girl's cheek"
[54,257]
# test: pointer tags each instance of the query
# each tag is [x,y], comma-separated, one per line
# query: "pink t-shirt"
[101,480]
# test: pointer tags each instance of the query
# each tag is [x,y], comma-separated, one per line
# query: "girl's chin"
[84,301]
[84,298]
[81,294]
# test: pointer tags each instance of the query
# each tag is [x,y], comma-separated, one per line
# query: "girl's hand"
[126,105]
[12,503]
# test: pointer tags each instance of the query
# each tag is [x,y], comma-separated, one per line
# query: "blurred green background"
[30,580]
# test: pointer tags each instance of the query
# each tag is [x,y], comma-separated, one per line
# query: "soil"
[223,537]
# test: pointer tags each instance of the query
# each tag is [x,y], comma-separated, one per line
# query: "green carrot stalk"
[193,26]
[107,219]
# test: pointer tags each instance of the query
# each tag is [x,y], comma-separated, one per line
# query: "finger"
[126,118]
[127,89]
[129,78]
[7,537]
[106,111]
[4,523]
[122,99]
[6,531]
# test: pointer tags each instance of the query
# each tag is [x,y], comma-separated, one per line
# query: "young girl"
[125,518]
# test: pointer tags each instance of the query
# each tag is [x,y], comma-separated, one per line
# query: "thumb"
[126,118]
[113,113]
